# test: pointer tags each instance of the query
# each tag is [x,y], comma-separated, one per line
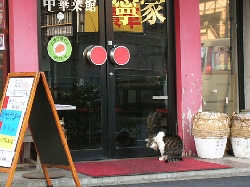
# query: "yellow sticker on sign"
[6,142]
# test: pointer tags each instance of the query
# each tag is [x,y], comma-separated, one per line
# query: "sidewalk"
[240,167]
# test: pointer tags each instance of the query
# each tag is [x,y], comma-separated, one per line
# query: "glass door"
[140,81]
[78,86]
[107,66]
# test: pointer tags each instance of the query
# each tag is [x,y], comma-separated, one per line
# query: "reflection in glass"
[218,73]
[141,84]
[75,81]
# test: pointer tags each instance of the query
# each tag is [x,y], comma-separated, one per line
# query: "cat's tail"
[173,159]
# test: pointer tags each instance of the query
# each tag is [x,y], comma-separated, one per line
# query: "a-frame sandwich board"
[27,103]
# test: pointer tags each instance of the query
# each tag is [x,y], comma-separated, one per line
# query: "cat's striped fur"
[169,145]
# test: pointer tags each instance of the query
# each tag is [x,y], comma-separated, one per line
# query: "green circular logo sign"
[59,48]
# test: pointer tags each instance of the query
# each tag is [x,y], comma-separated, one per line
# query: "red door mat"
[142,166]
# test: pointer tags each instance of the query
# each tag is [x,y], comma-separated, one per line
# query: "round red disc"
[97,55]
[120,55]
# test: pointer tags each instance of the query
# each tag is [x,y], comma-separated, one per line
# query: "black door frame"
[108,121]
[171,66]
[110,80]
[107,91]
[240,52]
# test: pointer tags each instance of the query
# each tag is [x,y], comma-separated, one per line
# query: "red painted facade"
[188,67]
[23,36]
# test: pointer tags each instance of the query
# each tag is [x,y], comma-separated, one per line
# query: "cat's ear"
[146,140]
[150,136]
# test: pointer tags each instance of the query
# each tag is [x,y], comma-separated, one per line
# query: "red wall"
[188,68]
[23,36]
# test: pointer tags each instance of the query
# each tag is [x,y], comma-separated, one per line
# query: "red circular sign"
[96,55]
[120,55]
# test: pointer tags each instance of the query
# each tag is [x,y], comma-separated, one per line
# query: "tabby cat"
[169,145]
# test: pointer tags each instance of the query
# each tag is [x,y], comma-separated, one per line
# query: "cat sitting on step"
[169,145]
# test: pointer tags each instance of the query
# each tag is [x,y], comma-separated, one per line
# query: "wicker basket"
[240,134]
[211,124]
[210,131]
[240,125]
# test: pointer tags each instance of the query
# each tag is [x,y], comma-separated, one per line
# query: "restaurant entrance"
[110,66]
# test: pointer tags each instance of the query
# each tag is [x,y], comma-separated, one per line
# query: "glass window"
[244,26]
[218,73]
[139,87]
[73,82]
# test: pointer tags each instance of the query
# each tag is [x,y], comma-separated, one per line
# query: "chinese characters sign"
[126,10]
[11,118]
[127,18]
[90,5]
[76,5]
[151,12]
[127,14]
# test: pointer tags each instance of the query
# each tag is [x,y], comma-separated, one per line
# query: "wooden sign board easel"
[27,102]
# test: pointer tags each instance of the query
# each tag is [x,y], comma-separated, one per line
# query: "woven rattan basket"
[240,125]
[211,124]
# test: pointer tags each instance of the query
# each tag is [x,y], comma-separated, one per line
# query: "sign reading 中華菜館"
[59,48]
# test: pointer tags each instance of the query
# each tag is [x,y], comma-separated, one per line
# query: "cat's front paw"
[162,159]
